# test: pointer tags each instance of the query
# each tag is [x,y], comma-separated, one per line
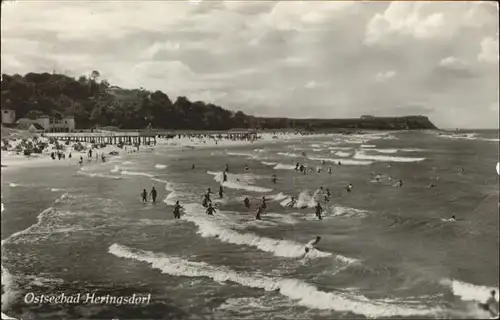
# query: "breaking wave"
[301,292]
[221,227]
[348,162]
[232,183]
[362,156]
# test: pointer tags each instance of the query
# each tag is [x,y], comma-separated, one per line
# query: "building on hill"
[8,116]
[66,124]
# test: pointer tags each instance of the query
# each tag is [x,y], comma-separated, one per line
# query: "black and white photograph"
[255,160]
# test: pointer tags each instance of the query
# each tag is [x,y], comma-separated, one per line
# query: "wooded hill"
[97,103]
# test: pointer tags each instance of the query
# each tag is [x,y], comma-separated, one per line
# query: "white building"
[8,116]
[66,124]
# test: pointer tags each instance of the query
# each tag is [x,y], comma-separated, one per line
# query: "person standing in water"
[292,202]
[264,205]
[177,210]
[491,305]
[226,168]
[221,192]
[273,178]
[192,167]
[224,177]
[318,210]
[246,202]
[246,168]
[400,184]
[211,210]
[297,166]
[144,195]
[153,195]
[259,211]
[349,188]
[329,169]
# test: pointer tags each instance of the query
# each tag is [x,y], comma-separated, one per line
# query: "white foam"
[361,155]
[2,207]
[303,293]
[392,151]
[340,148]
[289,154]
[40,216]
[347,212]
[468,136]
[160,166]
[341,154]
[132,173]
[317,150]
[168,185]
[368,146]
[219,225]
[385,151]
[13,185]
[285,202]
[6,317]
[277,197]
[171,198]
[55,190]
[241,154]
[233,184]
[9,290]
[116,168]
[98,175]
[268,163]
[469,292]
[305,200]
[8,281]
[281,166]
[348,162]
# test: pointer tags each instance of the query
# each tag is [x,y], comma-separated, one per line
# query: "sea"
[385,252]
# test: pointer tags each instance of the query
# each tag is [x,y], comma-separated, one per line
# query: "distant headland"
[94,103]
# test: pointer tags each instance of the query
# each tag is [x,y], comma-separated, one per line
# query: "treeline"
[96,103]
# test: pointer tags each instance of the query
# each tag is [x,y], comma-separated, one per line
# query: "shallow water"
[385,251]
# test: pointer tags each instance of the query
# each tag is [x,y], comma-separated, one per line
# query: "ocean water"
[385,252]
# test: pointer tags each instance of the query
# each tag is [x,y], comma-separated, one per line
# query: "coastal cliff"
[97,103]
[371,123]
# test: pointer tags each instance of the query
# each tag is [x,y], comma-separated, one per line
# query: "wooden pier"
[110,137]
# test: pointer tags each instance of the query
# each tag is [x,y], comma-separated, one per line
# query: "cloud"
[451,62]
[384,76]
[489,50]
[404,18]
[290,58]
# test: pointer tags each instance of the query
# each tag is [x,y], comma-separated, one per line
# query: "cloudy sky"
[290,58]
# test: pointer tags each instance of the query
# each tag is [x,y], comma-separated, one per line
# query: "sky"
[300,59]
